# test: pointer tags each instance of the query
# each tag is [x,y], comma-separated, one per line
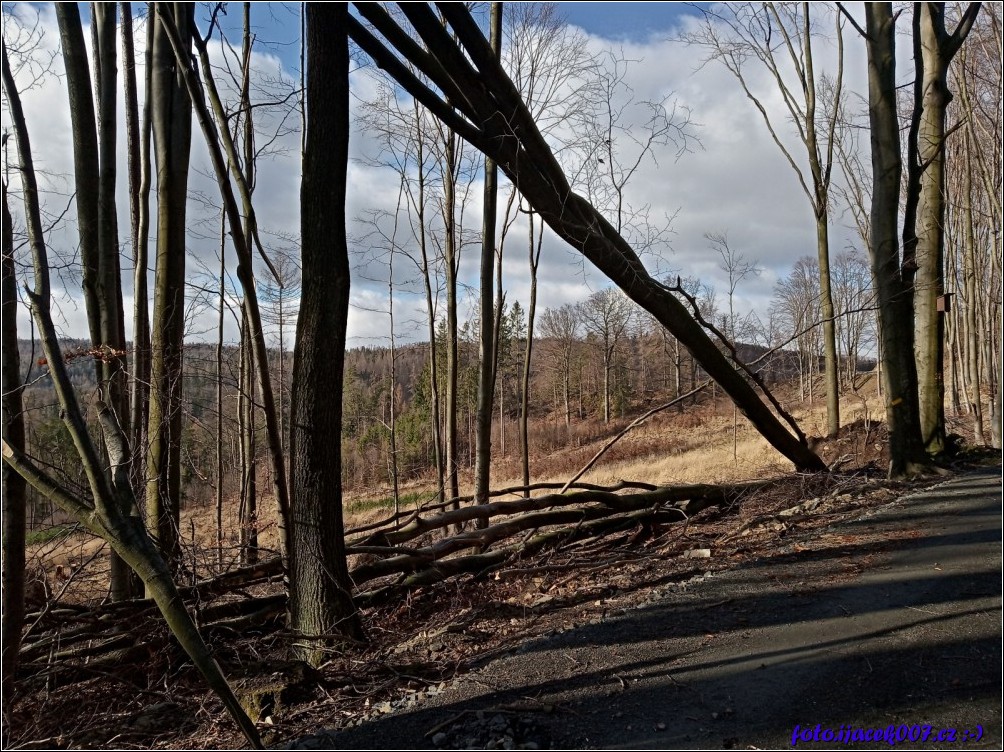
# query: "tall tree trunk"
[937,49]
[138,154]
[972,337]
[249,451]
[451,252]
[831,363]
[320,603]
[14,489]
[95,173]
[430,305]
[249,485]
[242,243]
[895,322]
[171,114]
[531,315]
[109,287]
[111,496]
[219,393]
[488,361]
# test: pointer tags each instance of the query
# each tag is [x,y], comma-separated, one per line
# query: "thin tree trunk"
[249,497]
[831,363]
[524,407]
[138,150]
[972,337]
[249,481]
[171,113]
[393,375]
[14,488]
[111,496]
[488,360]
[451,252]
[219,394]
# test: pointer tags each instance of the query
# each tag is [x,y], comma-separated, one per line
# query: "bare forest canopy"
[487,192]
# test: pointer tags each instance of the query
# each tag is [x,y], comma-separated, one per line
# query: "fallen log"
[419,525]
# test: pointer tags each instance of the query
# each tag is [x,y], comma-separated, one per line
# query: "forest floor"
[427,652]
[888,615]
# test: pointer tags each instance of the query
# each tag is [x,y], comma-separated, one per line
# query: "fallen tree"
[478,101]
[70,637]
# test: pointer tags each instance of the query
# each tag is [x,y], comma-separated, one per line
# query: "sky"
[730,179]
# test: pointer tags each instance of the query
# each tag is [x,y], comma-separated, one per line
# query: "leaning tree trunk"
[107,513]
[320,600]
[520,150]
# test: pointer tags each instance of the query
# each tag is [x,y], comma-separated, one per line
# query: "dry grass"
[696,445]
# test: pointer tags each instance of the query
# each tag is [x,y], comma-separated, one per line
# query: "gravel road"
[891,619]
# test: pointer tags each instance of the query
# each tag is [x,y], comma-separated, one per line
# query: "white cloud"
[736,182]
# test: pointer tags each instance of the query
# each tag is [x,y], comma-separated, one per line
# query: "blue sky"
[278,24]
[633,22]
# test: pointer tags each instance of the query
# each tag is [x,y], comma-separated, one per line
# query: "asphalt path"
[894,622]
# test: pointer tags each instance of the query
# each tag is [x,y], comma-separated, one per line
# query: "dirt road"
[892,619]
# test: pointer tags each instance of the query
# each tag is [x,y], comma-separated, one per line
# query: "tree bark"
[171,115]
[489,361]
[320,590]
[138,155]
[451,253]
[14,489]
[895,322]
[94,146]
[531,315]
[937,48]
[971,335]
[111,495]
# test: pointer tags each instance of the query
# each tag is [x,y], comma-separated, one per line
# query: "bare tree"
[138,155]
[796,300]
[561,325]
[320,602]
[521,152]
[488,365]
[607,314]
[737,268]
[171,114]
[895,314]
[551,66]
[14,487]
[924,217]
[737,34]
[107,511]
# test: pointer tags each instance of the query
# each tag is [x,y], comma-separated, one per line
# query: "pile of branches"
[69,643]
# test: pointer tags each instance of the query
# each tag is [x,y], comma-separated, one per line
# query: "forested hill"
[567,391]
